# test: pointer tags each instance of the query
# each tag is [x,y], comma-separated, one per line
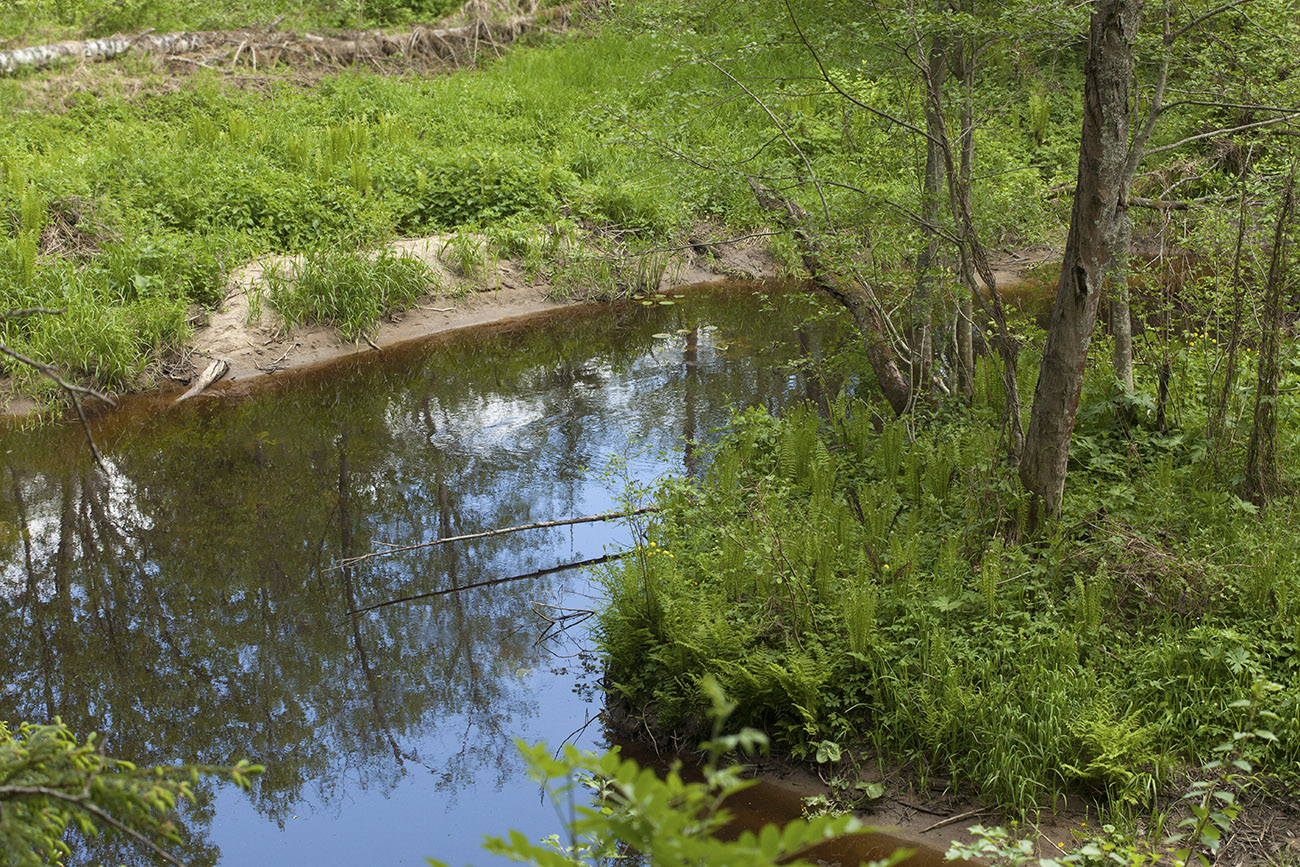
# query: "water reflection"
[189,603]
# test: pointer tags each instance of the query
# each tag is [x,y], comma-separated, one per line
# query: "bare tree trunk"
[1121,327]
[966,304]
[927,255]
[1261,481]
[1099,235]
[973,256]
[1217,426]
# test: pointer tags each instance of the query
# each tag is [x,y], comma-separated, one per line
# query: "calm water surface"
[190,605]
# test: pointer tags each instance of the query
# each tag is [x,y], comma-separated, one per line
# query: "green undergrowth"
[29,22]
[873,588]
[349,291]
[139,201]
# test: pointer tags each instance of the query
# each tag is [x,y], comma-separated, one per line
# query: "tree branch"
[1223,131]
[1170,39]
[82,802]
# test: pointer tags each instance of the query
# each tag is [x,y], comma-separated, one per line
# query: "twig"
[536,525]
[969,814]
[74,393]
[492,582]
[373,345]
[274,366]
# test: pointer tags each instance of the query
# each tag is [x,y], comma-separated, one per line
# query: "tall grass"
[348,290]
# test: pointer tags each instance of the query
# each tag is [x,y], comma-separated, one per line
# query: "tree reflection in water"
[189,604]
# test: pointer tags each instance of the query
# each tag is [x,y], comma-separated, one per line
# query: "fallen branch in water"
[536,525]
[217,369]
[595,561]
[72,390]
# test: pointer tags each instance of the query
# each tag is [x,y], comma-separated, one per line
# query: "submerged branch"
[536,525]
[492,582]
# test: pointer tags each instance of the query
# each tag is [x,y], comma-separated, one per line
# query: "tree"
[1097,242]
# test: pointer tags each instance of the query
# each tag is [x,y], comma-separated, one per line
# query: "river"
[189,603]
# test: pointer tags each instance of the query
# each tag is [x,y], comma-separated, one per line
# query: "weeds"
[350,291]
[837,581]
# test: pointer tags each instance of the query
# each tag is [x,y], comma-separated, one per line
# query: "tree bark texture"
[1098,239]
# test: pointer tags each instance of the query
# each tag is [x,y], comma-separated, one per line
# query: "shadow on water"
[189,603]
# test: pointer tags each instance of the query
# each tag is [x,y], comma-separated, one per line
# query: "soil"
[929,813]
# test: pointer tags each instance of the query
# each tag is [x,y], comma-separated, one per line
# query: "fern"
[991,576]
[890,449]
[938,471]
[1090,592]
[860,613]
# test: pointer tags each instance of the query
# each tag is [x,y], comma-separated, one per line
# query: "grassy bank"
[131,191]
[865,593]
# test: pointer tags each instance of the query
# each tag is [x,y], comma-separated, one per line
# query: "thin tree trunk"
[1261,481]
[973,256]
[966,304]
[1099,234]
[1121,327]
[927,255]
[1217,433]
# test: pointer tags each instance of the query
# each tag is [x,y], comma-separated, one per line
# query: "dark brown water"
[189,606]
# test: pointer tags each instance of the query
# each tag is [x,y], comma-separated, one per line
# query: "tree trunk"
[1121,328]
[1261,454]
[854,296]
[1098,239]
[927,256]
[974,259]
[966,304]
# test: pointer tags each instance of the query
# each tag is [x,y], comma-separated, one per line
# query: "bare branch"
[535,525]
[812,174]
[73,391]
[1223,131]
[883,115]
[1171,38]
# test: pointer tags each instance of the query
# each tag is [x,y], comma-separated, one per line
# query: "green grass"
[34,21]
[350,291]
[878,590]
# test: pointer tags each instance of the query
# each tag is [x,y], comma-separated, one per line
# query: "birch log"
[443,43]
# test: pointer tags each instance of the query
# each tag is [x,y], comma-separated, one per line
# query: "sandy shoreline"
[259,350]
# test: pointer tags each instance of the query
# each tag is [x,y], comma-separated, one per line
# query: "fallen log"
[214,371]
[853,295]
[448,44]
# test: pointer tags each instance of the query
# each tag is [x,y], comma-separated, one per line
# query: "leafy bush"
[52,782]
